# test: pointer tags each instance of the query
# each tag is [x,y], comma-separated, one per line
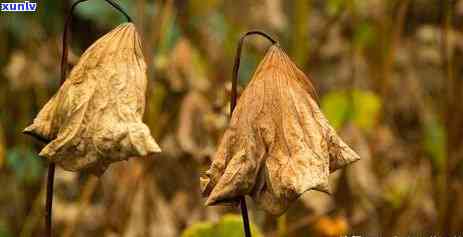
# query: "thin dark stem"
[64,56]
[49,200]
[244,214]
[119,8]
[234,98]
[447,193]
[67,26]
[236,66]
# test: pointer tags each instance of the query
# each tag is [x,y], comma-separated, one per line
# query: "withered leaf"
[96,116]
[193,129]
[278,144]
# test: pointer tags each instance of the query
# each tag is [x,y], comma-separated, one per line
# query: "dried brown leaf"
[278,145]
[96,116]
[23,73]
[193,132]
[185,69]
[150,214]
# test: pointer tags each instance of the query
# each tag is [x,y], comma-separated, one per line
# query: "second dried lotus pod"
[96,116]
[278,144]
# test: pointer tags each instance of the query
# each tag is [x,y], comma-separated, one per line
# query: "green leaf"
[367,107]
[25,164]
[4,232]
[395,196]
[359,106]
[232,226]
[335,106]
[364,35]
[435,141]
[334,7]
[203,229]
[229,226]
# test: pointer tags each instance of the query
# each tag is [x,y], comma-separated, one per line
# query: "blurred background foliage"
[388,74]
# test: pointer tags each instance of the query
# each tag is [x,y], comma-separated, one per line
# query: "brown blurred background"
[389,77]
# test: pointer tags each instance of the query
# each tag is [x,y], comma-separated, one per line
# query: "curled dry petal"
[278,145]
[96,116]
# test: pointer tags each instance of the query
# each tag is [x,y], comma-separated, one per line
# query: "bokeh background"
[389,78]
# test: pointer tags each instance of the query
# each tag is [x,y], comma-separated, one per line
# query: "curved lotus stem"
[67,25]
[119,8]
[234,95]
[64,56]
[236,66]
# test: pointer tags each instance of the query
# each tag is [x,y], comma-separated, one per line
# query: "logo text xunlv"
[18,6]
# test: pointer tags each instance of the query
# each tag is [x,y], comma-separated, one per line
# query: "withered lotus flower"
[96,116]
[278,144]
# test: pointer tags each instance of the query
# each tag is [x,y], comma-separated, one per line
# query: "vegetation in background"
[388,75]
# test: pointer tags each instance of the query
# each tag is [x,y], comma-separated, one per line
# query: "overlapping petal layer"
[96,116]
[278,145]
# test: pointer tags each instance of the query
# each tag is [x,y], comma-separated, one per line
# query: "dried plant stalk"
[96,116]
[278,145]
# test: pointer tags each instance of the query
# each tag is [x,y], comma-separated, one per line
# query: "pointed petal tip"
[346,157]
[203,184]
[217,197]
[28,130]
[324,188]
[150,152]
[48,151]
[210,202]
[215,201]
[353,156]
[213,198]
[31,131]
[156,149]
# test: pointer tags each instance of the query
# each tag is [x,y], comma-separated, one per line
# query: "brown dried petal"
[96,116]
[279,144]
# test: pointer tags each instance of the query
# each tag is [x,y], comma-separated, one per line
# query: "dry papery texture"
[96,116]
[278,144]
